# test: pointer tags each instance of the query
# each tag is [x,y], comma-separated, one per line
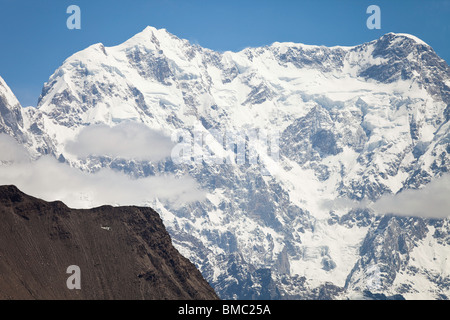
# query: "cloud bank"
[10,150]
[127,140]
[50,180]
[431,201]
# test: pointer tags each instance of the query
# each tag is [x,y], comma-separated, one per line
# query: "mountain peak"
[406,36]
[11,120]
[150,35]
[392,36]
[7,94]
[151,29]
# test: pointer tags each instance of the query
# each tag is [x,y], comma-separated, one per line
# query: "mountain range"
[318,206]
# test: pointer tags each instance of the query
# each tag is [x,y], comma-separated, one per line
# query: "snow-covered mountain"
[351,123]
[11,120]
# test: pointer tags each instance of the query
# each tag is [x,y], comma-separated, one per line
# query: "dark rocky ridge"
[132,257]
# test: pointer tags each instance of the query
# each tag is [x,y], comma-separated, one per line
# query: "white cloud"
[10,150]
[50,180]
[431,201]
[127,140]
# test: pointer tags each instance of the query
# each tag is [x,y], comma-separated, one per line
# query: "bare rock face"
[122,252]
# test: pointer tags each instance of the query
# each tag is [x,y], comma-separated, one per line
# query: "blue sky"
[35,39]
